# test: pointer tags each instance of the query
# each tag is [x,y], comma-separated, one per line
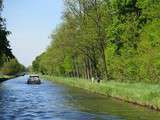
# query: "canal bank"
[4,78]
[8,77]
[147,95]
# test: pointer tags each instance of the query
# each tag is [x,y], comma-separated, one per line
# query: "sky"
[31,23]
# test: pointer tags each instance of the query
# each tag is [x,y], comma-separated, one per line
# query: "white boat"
[34,79]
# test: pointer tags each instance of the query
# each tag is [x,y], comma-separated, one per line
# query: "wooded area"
[110,39]
[9,65]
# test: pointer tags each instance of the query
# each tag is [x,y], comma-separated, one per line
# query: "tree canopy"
[110,39]
[8,63]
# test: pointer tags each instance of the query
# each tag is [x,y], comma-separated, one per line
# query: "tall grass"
[138,93]
[5,77]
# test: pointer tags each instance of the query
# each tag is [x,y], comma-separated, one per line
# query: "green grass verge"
[138,93]
[5,77]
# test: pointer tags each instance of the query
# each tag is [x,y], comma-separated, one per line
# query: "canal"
[50,101]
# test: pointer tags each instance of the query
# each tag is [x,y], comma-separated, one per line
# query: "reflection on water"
[49,101]
[103,105]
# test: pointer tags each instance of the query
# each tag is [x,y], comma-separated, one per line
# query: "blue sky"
[31,23]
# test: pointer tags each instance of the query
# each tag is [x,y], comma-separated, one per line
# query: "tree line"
[109,39]
[9,65]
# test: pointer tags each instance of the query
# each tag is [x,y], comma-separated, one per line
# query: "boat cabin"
[34,79]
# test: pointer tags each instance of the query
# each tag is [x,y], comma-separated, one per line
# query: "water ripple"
[19,101]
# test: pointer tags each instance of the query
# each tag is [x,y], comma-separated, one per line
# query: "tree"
[110,39]
[5,50]
[12,67]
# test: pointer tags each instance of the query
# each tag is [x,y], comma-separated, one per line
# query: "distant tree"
[12,67]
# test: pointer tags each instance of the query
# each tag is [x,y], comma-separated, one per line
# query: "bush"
[12,67]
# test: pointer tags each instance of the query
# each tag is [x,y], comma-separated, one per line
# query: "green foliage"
[8,63]
[12,67]
[5,51]
[109,39]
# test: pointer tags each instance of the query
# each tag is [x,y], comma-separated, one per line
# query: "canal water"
[49,101]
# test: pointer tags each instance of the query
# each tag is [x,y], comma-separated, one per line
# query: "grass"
[5,77]
[138,93]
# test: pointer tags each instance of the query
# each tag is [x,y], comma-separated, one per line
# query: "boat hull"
[33,82]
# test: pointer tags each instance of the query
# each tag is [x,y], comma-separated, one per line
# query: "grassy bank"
[5,77]
[137,93]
